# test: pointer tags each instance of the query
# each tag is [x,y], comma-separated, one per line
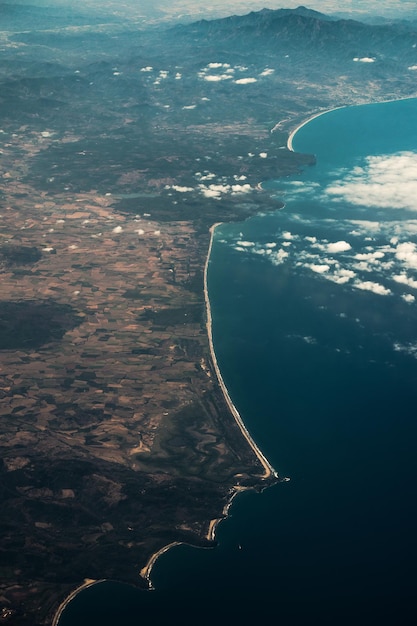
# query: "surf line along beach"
[269,471]
[309,119]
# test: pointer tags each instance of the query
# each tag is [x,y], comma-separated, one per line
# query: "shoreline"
[86,584]
[269,470]
[310,119]
[343,106]
[146,571]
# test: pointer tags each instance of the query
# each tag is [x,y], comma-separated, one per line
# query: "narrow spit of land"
[268,469]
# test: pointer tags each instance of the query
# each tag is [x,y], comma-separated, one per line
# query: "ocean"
[315,331]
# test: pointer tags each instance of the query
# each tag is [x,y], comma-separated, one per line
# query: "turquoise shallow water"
[315,328]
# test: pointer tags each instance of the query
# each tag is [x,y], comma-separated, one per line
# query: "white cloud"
[216,66]
[279,257]
[267,72]
[189,107]
[412,67]
[214,191]
[366,225]
[363,266]
[364,59]
[210,193]
[409,348]
[407,252]
[377,288]
[241,188]
[245,244]
[181,189]
[319,269]
[405,280]
[338,246]
[245,81]
[371,257]
[214,78]
[263,155]
[205,176]
[407,297]
[341,276]
[384,182]
[287,235]
[117,229]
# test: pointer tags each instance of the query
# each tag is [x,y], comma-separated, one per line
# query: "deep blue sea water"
[315,329]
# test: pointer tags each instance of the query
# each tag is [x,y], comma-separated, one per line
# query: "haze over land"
[185,10]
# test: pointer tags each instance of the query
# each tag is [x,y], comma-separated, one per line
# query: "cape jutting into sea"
[315,330]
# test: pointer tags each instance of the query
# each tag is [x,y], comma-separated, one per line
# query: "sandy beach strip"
[309,119]
[359,104]
[145,572]
[269,470]
[88,582]
[211,533]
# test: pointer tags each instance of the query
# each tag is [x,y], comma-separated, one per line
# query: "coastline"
[309,119]
[86,584]
[269,470]
[145,572]
[344,106]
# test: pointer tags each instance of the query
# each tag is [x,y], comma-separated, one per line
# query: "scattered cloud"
[364,59]
[405,280]
[377,288]
[215,190]
[407,252]
[214,78]
[382,182]
[245,81]
[338,246]
[246,244]
[408,348]
[287,235]
[181,189]
[319,269]
[341,276]
[215,66]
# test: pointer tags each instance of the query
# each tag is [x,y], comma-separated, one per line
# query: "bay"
[315,330]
